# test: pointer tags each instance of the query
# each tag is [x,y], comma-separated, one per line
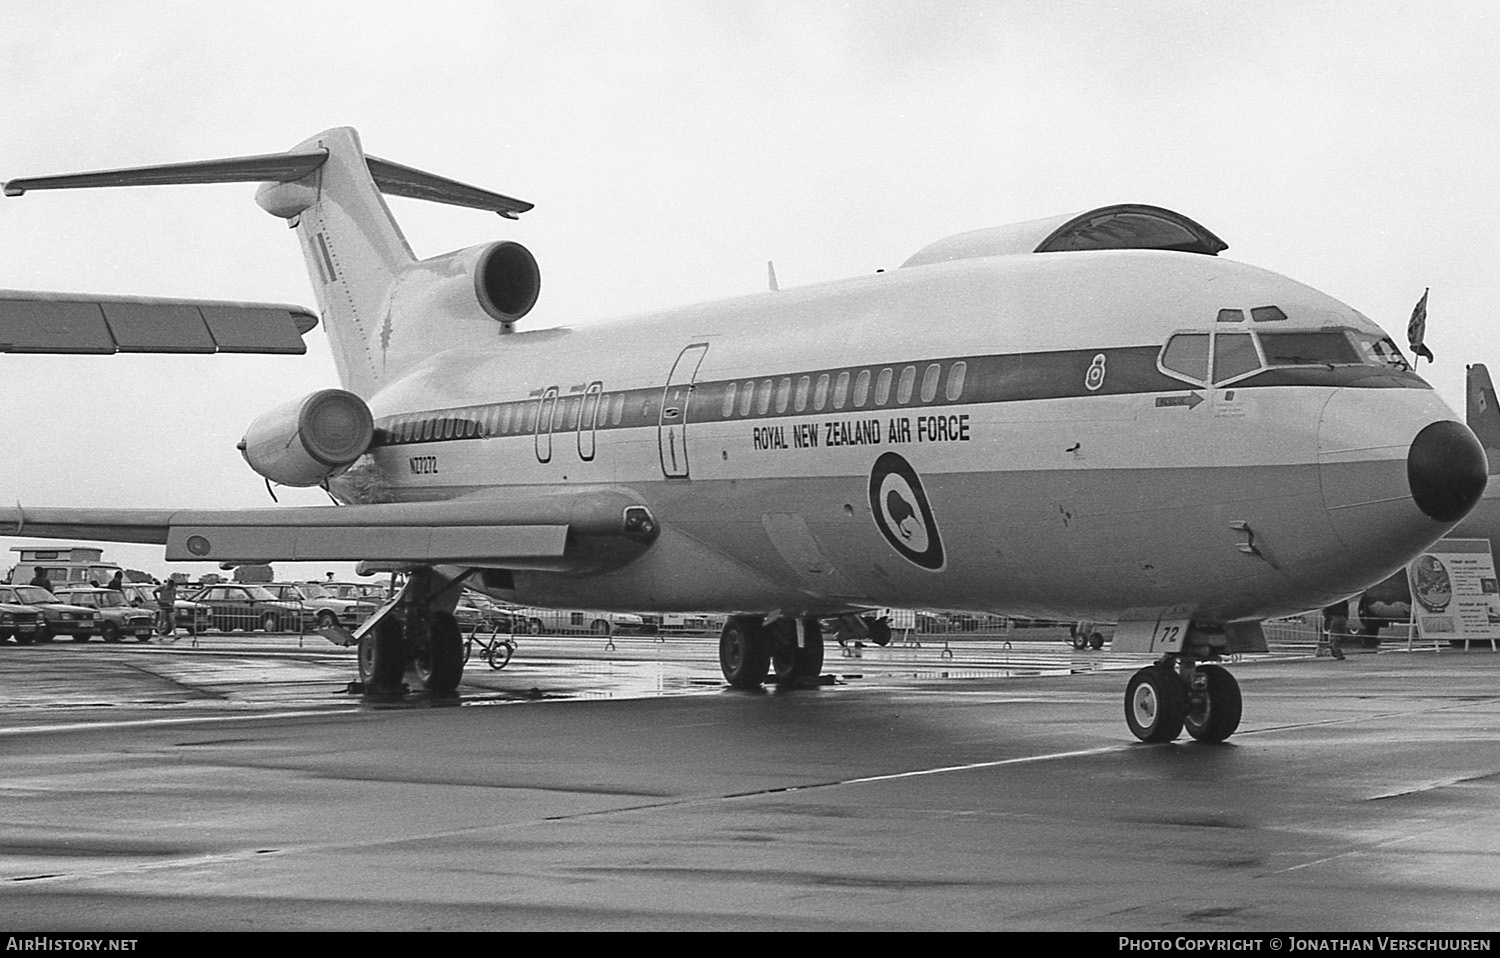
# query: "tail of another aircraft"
[1483,413]
[384,310]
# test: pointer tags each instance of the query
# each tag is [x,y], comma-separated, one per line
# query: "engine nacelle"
[305,442]
[501,278]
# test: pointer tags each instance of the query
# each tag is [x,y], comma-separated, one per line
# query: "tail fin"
[1483,413]
[353,248]
[329,190]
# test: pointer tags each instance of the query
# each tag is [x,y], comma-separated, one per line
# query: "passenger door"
[675,400]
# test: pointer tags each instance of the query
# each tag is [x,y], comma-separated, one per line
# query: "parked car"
[117,618]
[491,615]
[234,605]
[20,622]
[321,608]
[574,621]
[192,617]
[374,592]
[58,618]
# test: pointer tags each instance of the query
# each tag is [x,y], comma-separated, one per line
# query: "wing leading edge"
[536,532]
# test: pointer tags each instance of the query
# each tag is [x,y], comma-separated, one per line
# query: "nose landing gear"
[1176,693]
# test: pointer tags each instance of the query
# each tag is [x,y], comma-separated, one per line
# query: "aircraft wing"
[39,322]
[524,532]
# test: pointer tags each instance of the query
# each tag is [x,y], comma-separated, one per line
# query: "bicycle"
[496,650]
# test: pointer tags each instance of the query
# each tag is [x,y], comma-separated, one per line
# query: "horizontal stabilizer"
[390,178]
[271,167]
[36,322]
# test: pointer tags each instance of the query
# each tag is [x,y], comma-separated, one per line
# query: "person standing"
[166,608]
[118,582]
[40,579]
[1335,627]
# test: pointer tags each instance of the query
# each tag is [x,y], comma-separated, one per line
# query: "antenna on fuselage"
[771,276]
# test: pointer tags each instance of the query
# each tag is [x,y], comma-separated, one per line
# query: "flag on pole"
[1416,330]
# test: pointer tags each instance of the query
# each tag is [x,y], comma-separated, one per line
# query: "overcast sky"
[672,148]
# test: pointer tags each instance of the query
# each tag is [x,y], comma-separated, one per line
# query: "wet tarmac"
[990,784]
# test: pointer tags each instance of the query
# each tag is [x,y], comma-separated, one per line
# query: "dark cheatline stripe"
[1009,377]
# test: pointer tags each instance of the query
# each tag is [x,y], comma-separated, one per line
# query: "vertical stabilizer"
[362,270]
[1483,413]
[354,251]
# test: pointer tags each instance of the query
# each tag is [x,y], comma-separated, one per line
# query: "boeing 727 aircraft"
[1092,416]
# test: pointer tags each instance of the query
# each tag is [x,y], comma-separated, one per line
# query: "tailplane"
[1483,413]
[383,309]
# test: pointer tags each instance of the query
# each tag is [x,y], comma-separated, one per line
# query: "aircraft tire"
[744,654]
[792,664]
[1155,704]
[382,659]
[880,631]
[442,666]
[1096,641]
[1221,714]
[1080,641]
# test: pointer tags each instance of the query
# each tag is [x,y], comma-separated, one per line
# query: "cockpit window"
[1328,347]
[1380,351]
[1234,355]
[1187,355]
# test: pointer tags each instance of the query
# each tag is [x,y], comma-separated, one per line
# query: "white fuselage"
[1037,459]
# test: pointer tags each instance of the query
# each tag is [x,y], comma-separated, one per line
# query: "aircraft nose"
[1446,470]
[1396,472]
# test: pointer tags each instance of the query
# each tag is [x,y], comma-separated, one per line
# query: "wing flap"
[518,532]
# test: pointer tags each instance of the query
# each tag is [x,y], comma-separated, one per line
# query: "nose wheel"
[1163,699]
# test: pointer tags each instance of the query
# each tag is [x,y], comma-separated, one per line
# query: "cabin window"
[1234,355]
[1267,314]
[730,392]
[619,413]
[1231,315]
[747,397]
[1323,347]
[861,388]
[903,388]
[804,387]
[530,424]
[763,403]
[820,392]
[783,394]
[930,382]
[841,390]
[883,386]
[1187,355]
[956,377]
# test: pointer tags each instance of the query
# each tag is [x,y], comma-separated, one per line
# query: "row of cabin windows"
[510,419]
[830,392]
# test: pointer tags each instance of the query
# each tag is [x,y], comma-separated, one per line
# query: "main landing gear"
[414,634]
[1176,693]
[750,649]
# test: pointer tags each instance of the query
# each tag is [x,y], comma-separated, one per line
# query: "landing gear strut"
[749,649]
[413,632]
[1176,693]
